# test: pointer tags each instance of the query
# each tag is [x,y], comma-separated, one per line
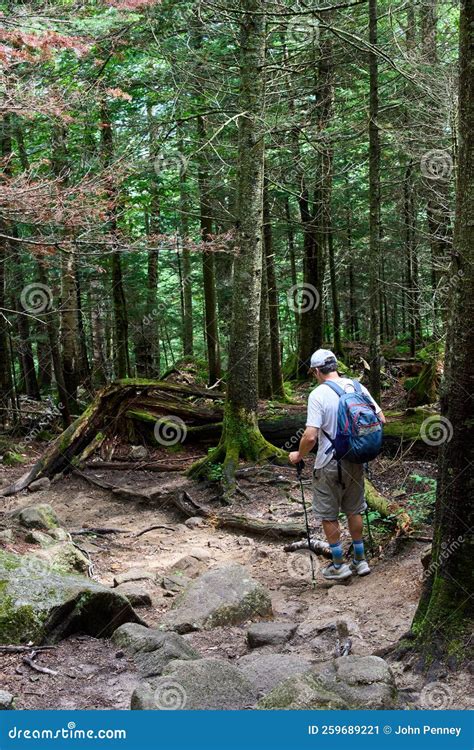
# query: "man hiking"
[338,485]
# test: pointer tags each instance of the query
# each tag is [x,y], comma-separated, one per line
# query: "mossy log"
[106,416]
[141,403]
[386,508]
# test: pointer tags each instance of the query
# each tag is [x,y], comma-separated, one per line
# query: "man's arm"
[307,443]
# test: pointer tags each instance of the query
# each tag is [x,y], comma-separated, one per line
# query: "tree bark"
[442,622]
[122,358]
[272,294]
[374,211]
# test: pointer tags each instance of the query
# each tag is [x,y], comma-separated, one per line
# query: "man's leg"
[333,535]
[356,527]
[353,503]
[326,504]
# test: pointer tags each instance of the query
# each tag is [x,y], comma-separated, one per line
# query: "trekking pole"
[299,470]
[371,541]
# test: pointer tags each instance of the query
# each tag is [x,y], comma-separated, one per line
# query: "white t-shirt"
[323,404]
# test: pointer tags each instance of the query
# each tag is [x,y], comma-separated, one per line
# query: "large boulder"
[351,682]
[204,684]
[152,649]
[222,596]
[41,605]
[41,516]
[265,671]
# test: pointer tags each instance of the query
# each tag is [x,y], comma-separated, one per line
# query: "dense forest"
[196,196]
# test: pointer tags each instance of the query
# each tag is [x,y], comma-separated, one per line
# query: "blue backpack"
[359,430]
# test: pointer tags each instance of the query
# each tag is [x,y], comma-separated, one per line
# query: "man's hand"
[295,457]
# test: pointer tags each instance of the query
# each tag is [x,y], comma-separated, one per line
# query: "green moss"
[12,458]
[9,561]
[406,425]
[15,620]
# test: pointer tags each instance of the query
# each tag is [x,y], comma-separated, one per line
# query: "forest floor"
[378,608]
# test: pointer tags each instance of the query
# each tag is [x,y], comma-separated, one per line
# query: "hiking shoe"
[337,574]
[361,567]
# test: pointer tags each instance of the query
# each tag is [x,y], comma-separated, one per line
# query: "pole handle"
[300,467]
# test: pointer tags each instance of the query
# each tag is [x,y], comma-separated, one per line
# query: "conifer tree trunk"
[443,620]
[373,306]
[241,436]
[272,294]
[186,281]
[122,358]
[25,349]
[208,271]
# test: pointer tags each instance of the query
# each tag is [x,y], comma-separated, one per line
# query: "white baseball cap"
[322,357]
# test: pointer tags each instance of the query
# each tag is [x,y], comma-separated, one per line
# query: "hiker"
[338,485]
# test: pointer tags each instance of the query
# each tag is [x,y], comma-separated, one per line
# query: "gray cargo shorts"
[330,497]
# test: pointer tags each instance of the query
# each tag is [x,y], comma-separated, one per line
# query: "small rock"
[138,453]
[270,633]
[175,583]
[191,565]
[226,595]
[194,522]
[7,701]
[6,536]
[136,593]
[203,684]
[39,485]
[41,517]
[265,671]
[134,574]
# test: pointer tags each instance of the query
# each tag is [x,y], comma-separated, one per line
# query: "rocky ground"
[232,580]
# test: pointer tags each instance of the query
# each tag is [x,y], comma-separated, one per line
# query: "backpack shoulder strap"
[334,387]
[357,386]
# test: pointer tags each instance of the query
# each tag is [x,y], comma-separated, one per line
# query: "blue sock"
[358,548]
[337,555]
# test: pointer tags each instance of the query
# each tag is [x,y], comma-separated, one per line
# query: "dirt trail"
[379,608]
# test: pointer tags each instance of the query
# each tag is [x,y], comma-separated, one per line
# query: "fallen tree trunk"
[131,410]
